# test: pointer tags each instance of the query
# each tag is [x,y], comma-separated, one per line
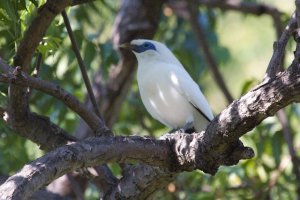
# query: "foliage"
[92,26]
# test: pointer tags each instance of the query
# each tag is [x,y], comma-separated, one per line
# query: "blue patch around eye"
[144,47]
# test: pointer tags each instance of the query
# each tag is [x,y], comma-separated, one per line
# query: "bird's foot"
[187,128]
[176,130]
[181,130]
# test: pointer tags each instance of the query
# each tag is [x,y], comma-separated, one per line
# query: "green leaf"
[21,4]
[35,2]
[247,85]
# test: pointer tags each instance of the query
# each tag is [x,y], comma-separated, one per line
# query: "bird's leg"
[186,127]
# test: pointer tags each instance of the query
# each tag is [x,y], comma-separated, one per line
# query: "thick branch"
[149,176]
[261,102]
[53,136]
[90,152]
[20,116]
[219,145]
[141,182]
[136,19]
[44,132]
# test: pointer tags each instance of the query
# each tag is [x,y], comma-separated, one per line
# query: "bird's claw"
[181,130]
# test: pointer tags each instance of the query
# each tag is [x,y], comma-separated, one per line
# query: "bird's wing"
[193,93]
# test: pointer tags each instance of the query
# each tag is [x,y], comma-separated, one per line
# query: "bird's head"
[147,49]
[140,46]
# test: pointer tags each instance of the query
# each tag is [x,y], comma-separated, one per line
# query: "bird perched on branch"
[168,92]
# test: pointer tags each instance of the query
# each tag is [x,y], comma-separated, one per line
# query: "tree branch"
[103,129]
[75,156]
[297,13]
[218,145]
[23,80]
[279,47]
[136,19]
[36,31]
[245,7]
[140,182]
[256,9]
[79,2]
[253,8]
[289,140]
[147,176]
[20,117]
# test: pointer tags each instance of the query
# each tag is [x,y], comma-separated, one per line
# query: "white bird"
[168,92]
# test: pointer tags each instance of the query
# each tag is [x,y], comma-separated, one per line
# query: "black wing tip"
[200,111]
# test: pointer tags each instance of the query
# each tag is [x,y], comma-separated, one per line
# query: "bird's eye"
[146,45]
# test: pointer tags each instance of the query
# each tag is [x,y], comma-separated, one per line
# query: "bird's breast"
[161,97]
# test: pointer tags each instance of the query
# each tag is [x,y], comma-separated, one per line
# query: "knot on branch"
[237,153]
[191,152]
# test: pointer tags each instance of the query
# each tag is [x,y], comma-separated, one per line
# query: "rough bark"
[218,145]
[17,77]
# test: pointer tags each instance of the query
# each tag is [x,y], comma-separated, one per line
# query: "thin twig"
[279,47]
[202,42]
[38,64]
[36,71]
[105,178]
[54,90]
[253,8]
[245,7]
[289,140]
[78,2]
[297,32]
[276,173]
[83,72]
[297,3]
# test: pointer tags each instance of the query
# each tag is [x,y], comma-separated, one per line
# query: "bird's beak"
[127,46]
